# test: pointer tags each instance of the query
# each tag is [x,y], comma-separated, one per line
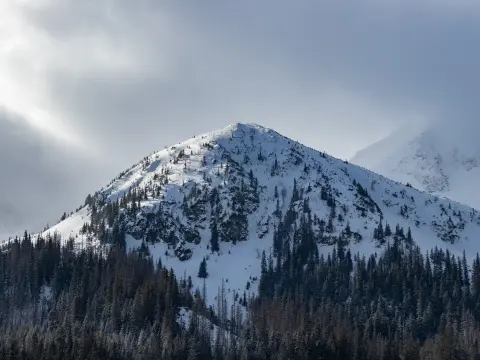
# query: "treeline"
[58,303]
[400,305]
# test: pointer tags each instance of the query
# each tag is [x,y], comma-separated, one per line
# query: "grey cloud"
[413,56]
[38,177]
[335,75]
[252,55]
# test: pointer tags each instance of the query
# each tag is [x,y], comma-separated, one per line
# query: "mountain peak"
[247,126]
[238,128]
[230,195]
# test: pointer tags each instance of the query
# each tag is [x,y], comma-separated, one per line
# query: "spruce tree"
[214,237]
[388,231]
[409,236]
[202,271]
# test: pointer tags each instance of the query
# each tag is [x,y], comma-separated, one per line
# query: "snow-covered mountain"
[442,159]
[243,185]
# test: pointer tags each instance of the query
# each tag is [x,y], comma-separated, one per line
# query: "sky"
[88,88]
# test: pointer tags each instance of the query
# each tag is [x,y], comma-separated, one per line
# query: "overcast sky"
[89,87]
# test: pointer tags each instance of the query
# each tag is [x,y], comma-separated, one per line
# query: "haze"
[89,87]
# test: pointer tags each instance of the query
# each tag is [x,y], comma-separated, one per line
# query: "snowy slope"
[245,169]
[442,159]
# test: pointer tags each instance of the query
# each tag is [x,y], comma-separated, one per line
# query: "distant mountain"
[227,197]
[443,160]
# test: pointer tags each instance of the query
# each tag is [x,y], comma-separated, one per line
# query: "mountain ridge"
[439,160]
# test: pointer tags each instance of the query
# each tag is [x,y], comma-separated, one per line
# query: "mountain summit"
[217,205]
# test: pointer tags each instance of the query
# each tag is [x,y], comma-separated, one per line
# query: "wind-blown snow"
[442,159]
[201,161]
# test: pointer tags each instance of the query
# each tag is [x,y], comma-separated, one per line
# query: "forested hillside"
[220,199]
[243,244]
[58,303]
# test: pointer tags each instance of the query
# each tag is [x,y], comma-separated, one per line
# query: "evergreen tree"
[214,240]
[388,231]
[202,271]
[409,236]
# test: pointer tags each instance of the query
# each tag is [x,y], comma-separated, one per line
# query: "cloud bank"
[105,82]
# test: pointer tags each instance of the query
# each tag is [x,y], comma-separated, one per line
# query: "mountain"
[227,197]
[440,159]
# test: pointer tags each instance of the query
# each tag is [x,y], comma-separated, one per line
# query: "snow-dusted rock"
[238,185]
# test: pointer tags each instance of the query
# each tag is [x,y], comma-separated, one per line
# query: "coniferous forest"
[60,303]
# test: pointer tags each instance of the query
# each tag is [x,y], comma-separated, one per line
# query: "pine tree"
[263,263]
[348,230]
[295,194]
[202,271]
[214,242]
[388,231]
[409,236]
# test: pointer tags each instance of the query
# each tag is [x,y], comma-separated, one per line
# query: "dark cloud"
[40,178]
[244,60]
[130,77]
